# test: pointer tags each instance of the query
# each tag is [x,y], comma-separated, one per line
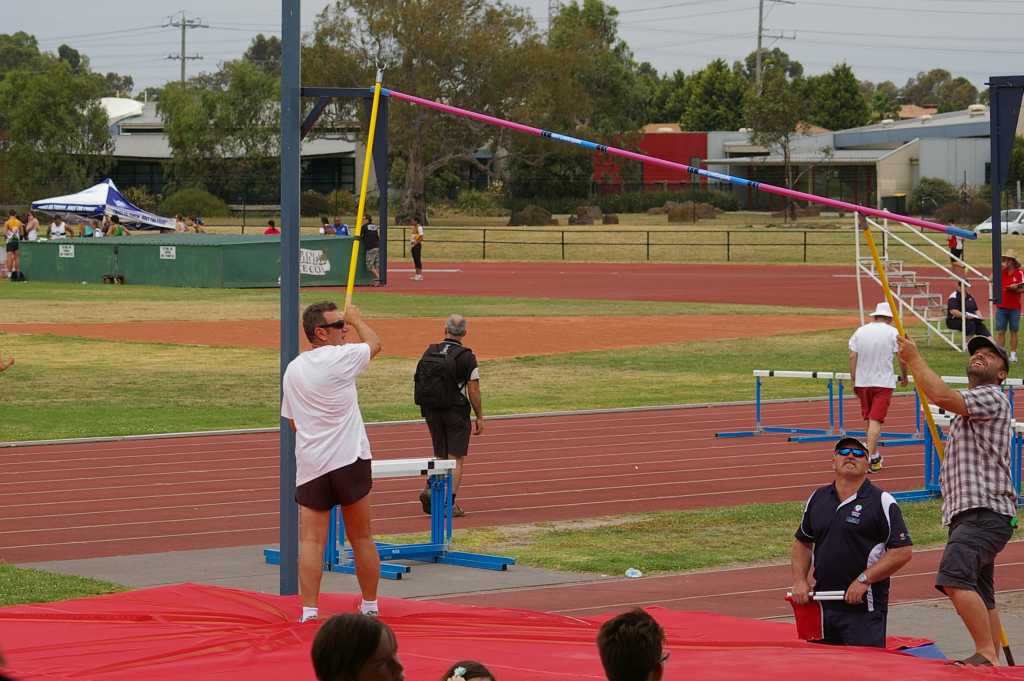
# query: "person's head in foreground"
[850,458]
[988,364]
[324,324]
[631,647]
[354,647]
[468,670]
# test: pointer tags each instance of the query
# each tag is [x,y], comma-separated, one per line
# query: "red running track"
[144,496]
[741,592]
[792,285]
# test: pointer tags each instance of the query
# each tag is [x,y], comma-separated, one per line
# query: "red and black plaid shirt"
[976,472]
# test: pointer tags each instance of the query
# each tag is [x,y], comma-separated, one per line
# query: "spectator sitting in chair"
[974,325]
[58,230]
[325,226]
[271,228]
[340,228]
[116,228]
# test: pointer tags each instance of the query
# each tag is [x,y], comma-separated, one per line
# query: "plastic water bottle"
[633,573]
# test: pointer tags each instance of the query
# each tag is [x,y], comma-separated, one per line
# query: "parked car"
[1012,222]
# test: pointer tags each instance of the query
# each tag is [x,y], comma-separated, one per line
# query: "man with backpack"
[446,386]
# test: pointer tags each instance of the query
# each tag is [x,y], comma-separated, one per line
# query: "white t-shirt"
[57,230]
[319,394]
[416,235]
[875,345]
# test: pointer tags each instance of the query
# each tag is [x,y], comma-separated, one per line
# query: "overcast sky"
[882,40]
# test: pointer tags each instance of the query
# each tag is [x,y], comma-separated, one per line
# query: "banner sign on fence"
[313,262]
[168,252]
[65,251]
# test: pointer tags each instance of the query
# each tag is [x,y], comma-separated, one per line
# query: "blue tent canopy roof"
[99,200]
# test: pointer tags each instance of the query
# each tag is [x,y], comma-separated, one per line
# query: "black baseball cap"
[978,342]
[850,442]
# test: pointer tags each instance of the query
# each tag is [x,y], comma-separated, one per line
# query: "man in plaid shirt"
[979,501]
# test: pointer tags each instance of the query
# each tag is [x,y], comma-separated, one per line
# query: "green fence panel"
[192,260]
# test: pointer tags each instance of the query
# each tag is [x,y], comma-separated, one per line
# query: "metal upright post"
[380,171]
[1004,110]
[291,113]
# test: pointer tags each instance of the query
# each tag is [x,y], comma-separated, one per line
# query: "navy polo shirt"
[850,535]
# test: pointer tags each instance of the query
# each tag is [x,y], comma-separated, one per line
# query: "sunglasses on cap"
[851,451]
[340,324]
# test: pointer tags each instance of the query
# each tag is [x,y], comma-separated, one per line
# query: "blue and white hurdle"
[933,465]
[338,558]
[835,398]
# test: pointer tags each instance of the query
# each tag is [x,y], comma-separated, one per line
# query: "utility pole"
[184,24]
[761,35]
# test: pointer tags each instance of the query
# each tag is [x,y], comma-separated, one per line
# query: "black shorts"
[957,252]
[417,256]
[975,538]
[340,487]
[12,247]
[449,431]
[847,626]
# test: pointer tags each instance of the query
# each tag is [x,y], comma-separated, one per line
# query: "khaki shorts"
[373,259]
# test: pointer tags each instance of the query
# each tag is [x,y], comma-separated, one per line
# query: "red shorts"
[874,403]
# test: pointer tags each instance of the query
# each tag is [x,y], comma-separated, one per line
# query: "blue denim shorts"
[1007,318]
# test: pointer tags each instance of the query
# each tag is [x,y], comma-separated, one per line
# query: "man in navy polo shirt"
[857,538]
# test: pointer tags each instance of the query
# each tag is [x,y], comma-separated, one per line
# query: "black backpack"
[436,384]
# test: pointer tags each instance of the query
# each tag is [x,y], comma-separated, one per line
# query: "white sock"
[368,607]
[309,614]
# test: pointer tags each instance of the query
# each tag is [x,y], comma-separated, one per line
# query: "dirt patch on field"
[490,337]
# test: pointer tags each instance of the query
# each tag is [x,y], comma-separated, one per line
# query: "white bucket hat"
[882,310]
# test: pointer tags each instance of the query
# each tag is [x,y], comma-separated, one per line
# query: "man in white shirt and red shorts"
[332,452]
[872,349]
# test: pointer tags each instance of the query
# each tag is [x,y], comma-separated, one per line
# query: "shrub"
[632,202]
[313,204]
[142,198]
[931,194]
[473,202]
[193,202]
[341,202]
[970,212]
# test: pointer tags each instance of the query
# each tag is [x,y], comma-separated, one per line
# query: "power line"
[913,10]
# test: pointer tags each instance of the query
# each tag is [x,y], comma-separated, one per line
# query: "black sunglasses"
[340,324]
[851,451]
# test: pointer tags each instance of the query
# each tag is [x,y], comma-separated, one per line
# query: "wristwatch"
[863,578]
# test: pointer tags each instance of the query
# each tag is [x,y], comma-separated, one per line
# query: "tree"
[669,99]
[956,94]
[265,53]
[836,100]
[224,135]
[923,89]
[1016,163]
[18,50]
[715,98]
[882,99]
[56,131]
[776,117]
[118,85]
[475,54]
[774,59]
[73,58]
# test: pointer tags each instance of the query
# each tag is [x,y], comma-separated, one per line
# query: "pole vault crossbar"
[722,177]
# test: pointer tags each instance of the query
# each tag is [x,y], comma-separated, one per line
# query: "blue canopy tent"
[99,200]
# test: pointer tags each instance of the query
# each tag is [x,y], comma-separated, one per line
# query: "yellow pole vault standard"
[863,223]
[362,189]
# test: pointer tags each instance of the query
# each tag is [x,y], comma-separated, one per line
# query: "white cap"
[882,310]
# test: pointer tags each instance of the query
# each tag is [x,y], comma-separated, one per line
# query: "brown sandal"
[975,660]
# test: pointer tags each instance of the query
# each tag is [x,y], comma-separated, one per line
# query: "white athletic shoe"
[1013,357]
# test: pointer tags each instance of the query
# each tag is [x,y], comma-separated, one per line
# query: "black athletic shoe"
[425,500]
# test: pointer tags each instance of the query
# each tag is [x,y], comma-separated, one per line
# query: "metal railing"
[720,245]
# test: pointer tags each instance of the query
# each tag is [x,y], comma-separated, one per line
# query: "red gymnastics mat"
[198,632]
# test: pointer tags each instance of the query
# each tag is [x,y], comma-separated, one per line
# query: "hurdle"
[835,426]
[933,466]
[338,557]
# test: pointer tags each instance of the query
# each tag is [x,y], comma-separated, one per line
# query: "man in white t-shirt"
[872,349]
[332,452]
